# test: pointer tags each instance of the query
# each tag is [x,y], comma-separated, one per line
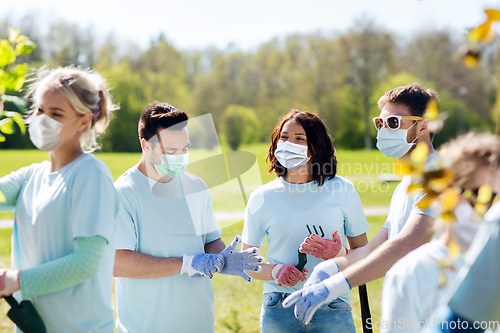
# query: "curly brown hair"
[319,143]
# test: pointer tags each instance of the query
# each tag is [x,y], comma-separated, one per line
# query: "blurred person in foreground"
[65,208]
[472,302]
[415,285]
[168,240]
[400,127]
[309,208]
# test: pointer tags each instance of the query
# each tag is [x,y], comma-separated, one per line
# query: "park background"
[337,71]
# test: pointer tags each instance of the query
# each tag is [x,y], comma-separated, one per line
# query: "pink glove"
[9,282]
[323,248]
[287,275]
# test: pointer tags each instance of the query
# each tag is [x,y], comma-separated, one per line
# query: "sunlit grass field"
[237,304]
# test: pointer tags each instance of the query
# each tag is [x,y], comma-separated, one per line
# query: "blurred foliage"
[240,125]
[340,76]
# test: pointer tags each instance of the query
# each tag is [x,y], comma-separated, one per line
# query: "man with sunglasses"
[400,127]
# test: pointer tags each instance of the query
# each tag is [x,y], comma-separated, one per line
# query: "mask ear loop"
[416,137]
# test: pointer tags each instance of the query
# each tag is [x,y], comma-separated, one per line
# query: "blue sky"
[248,23]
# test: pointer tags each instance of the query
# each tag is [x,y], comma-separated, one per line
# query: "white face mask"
[291,155]
[44,132]
[465,228]
[171,165]
[392,143]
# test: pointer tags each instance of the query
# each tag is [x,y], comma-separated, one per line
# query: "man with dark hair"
[168,240]
[400,127]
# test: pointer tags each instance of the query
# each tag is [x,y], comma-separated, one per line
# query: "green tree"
[240,125]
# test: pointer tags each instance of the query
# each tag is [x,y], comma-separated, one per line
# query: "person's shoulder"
[188,179]
[127,179]
[339,183]
[90,163]
[270,187]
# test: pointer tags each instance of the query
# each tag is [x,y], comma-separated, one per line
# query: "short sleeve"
[214,230]
[356,223]
[94,202]
[387,224]
[416,210]
[11,185]
[126,231]
[254,231]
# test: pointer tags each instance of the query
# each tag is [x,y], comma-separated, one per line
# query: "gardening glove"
[9,282]
[323,248]
[237,262]
[288,275]
[310,299]
[202,264]
[321,272]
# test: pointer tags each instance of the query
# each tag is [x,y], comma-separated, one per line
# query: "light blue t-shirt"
[404,204]
[165,220]
[286,213]
[52,209]
[475,294]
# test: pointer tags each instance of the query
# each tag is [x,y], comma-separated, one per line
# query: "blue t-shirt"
[286,213]
[52,209]
[165,220]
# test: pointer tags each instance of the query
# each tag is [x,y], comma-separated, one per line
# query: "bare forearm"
[136,265]
[215,247]
[352,257]
[264,274]
[416,232]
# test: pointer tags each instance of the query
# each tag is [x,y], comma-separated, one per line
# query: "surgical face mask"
[172,165]
[44,132]
[392,143]
[291,155]
[465,228]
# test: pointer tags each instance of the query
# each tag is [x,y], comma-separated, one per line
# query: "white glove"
[202,264]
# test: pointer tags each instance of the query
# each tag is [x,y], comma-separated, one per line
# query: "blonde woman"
[65,208]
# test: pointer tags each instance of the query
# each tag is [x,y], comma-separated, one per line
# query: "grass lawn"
[361,167]
[237,302]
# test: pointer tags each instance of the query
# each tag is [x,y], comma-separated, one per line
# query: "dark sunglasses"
[392,122]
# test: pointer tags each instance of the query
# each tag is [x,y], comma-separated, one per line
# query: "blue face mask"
[172,165]
[392,143]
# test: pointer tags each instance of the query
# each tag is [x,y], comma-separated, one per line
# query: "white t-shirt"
[475,293]
[165,220]
[54,208]
[411,289]
[286,213]
[404,204]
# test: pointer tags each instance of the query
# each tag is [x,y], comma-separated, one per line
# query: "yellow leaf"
[426,201]
[481,208]
[484,194]
[2,197]
[480,33]
[449,199]
[414,187]
[454,250]
[442,280]
[471,61]
[13,34]
[449,217]
[402,168]
[432,109]
[420,153]
[493,14]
